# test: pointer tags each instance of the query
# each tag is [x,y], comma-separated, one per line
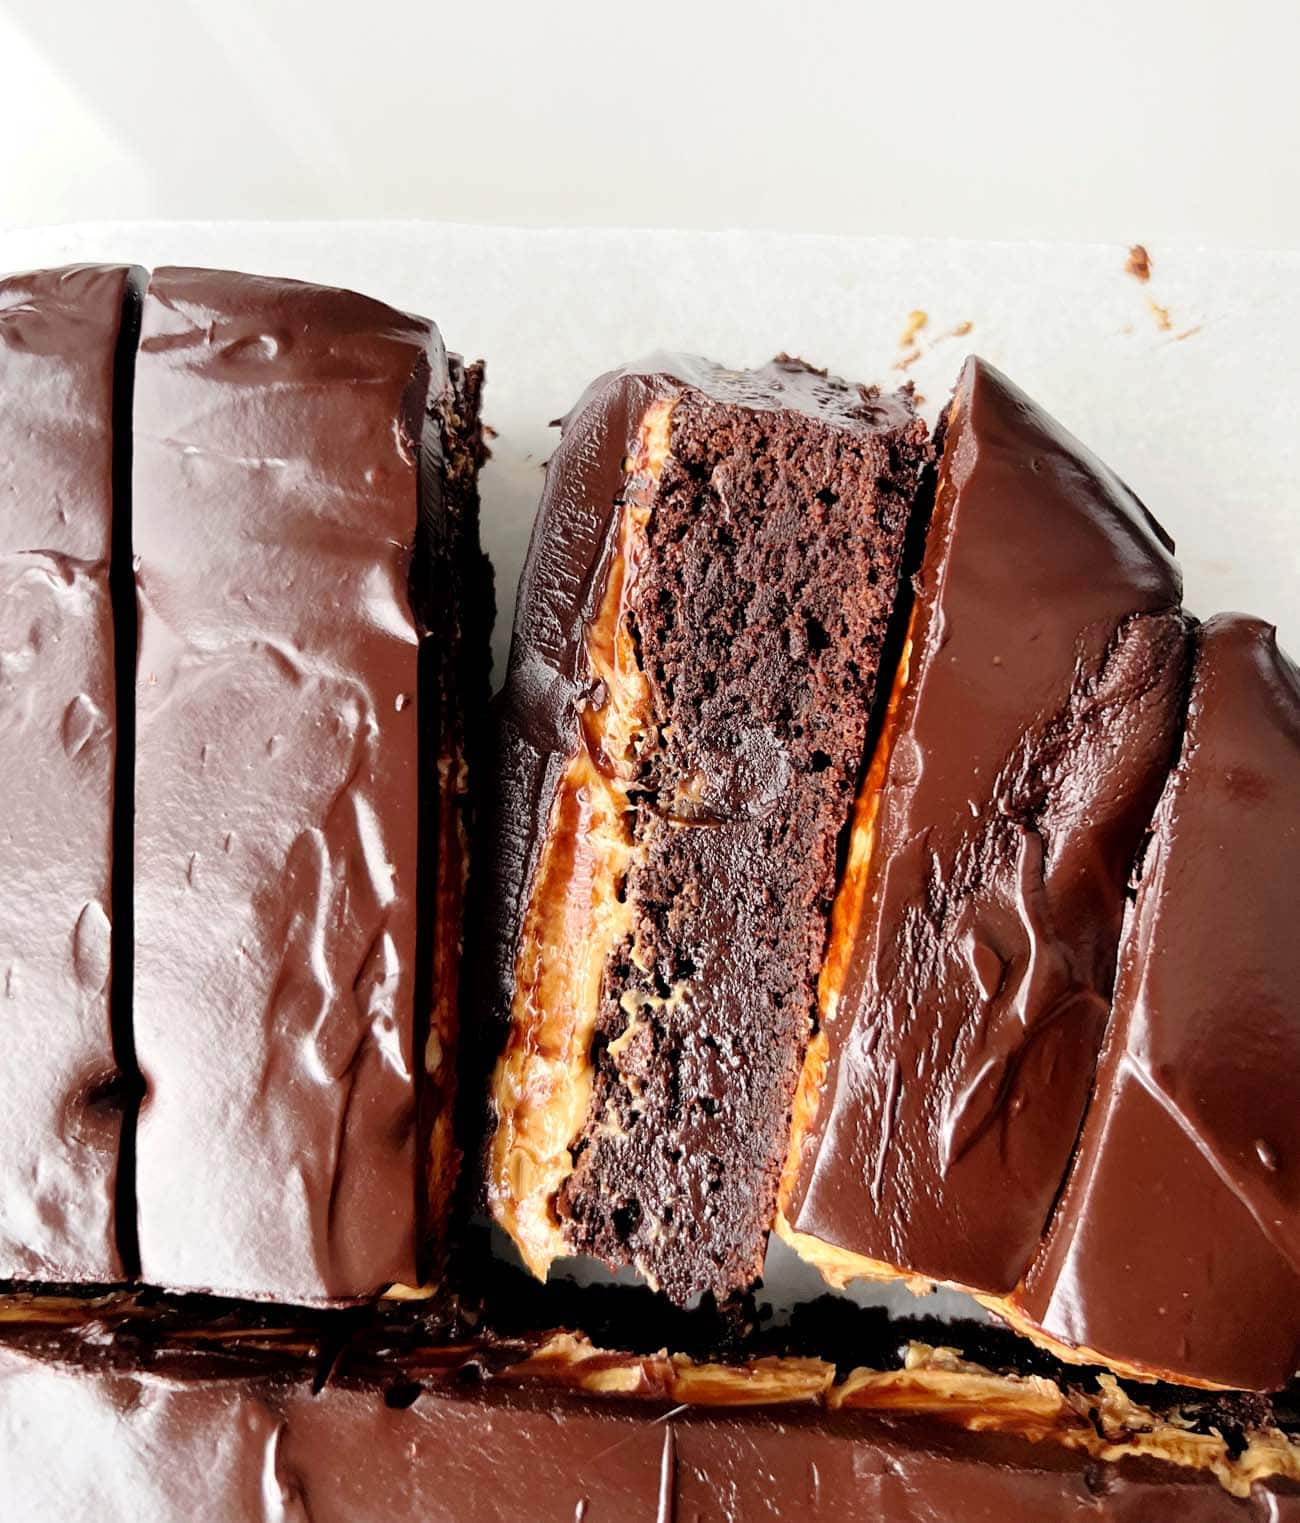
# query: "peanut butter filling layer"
[576,915]
[1107,1424]
[837,1266]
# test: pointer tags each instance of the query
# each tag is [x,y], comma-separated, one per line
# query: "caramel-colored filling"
[577,915]
[939,1381]
[1106,1424]
[837,1265]
[569,1359]
[757,1383]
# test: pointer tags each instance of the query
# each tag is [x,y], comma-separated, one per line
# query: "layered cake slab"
[298,859]
[698,635]
[1175,1249]
[968,976]
[64,336]
[156,1445]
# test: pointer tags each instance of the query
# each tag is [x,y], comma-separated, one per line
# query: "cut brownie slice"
[699,628]
[1175,1249]
[63,335]
[974,939]
[230,1426]
[304,533]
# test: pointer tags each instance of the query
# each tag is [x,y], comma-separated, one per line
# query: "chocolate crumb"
[916,320]
[1138,264]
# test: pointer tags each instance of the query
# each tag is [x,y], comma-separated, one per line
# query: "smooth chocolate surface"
[1176,1245]
[284,458]
[913,1470]
[734,539]
[1032,738]
[78,1443]
[61,1118]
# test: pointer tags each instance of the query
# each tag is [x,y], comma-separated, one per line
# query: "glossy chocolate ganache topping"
[973,946]
[1176,1246]
[122,1445]
[61,334]
[700,624]
[287,485]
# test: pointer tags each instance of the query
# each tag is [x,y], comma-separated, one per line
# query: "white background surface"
[1200,417]
[1152,120]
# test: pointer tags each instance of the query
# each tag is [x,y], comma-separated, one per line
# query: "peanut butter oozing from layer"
[838,1266]
[934,1382]
[1108,1425]
[576,916]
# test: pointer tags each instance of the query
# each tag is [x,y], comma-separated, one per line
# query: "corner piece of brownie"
[699,631]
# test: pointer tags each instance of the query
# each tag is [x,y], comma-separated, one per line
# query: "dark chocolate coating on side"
[854,1468]
[1033,737]
[60,1122]
[1177,1242]
[79,1444]
[537,712]
[281,455]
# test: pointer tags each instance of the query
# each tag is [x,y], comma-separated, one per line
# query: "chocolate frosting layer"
[282,465]
[1176,1245]
[911,1470]
[90,1444]
[1031,741]
[60,1120]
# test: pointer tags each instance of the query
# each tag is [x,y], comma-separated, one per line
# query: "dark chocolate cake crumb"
[760,610]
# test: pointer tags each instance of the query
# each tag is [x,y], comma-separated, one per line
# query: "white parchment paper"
[1188,384]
